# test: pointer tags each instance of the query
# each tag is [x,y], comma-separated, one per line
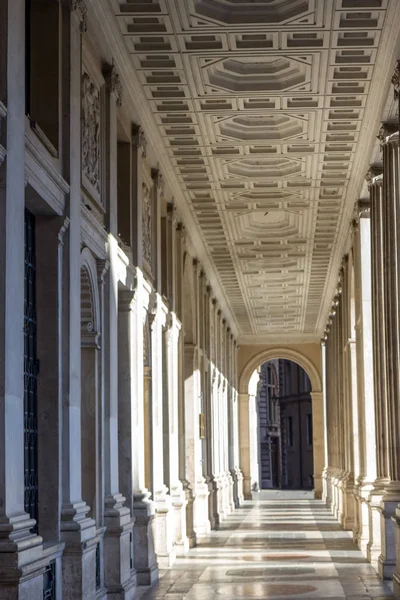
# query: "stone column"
[77,530]
[365,364]
[214,482]
[117,517]
[192,442]
[244,443]
[391,497]
[375,179]
[345,476]
[182,368]
[20,573]
[164,540]
[209,407]
[145,559]
[318,441]
[126,397]
[236,437]
[254,431]
[177,493]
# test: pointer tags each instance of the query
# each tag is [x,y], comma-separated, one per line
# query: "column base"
[247,491]
[357,501]
[119,579]
[164,529]
[201,521]
[347,517]
[324,481]
[363,498]
[374,546]
[79,560]
[21,559]
[213,503]
[179,504]
[396,574]
[145,560]
[229,483]
[224,496]
[239,479]
[387,509]
[189,496]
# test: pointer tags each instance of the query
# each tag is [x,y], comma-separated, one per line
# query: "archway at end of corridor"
[281,445]
[309,411]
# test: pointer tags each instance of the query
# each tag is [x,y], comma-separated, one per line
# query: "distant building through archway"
[284,426]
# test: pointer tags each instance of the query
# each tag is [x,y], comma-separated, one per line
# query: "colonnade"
[361,350]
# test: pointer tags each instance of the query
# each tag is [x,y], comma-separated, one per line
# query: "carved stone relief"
[147,219]
[91,131]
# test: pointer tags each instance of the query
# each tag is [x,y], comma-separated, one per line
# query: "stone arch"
[90,302]
[279,352]
[91,378]
[245,436]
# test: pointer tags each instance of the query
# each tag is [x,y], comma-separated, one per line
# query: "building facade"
[285,427]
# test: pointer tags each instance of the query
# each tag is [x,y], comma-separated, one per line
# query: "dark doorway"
[285,426]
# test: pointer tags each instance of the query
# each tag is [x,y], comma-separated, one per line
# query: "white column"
[391,497]
[176,488]
[143,508]
[374,548]
[365,366]
[192,441]
[253,431]
[164,533]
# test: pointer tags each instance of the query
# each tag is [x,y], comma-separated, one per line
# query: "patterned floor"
[278,546]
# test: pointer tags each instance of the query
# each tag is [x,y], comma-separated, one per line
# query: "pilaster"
[77,530]
[20,574]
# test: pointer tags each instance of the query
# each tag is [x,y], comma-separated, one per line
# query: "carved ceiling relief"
[261,105]
[91,132]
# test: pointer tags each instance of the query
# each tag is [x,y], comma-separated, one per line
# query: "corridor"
[279,545]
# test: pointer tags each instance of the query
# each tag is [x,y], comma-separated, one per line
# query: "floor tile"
[278,546]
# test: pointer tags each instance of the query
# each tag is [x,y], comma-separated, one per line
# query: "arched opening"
[90,387]
[284,422]
[249,434]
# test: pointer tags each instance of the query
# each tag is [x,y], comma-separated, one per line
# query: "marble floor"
[279,545]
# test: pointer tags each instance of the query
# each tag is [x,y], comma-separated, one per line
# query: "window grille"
[30,374]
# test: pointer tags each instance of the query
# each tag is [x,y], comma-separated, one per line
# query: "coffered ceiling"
[268,110]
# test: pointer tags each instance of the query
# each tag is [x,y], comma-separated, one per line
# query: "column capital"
[172,215]
[159,181]
[63,231]
[102,268]
[113,82]
[386,130]
[80,8]
[125,299]
[373,172]
[396,80]
[362,208]
[139,139]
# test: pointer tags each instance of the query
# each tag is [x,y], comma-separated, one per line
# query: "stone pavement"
[279,545]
